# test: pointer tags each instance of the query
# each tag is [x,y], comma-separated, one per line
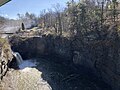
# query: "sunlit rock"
[25,79]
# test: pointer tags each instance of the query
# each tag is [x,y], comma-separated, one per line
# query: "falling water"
[18,57]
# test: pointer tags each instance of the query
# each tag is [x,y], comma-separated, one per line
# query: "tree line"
[81,17]
[78,18]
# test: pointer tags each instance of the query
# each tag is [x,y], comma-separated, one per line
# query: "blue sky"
[14,7]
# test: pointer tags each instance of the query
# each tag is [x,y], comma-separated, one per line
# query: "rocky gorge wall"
[102,55]
[5,56]
[41,46]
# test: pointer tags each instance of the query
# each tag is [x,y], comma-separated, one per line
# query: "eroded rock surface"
[5,56]
[25,79]
[99,55]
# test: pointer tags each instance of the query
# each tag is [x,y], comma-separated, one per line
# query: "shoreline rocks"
[25,79]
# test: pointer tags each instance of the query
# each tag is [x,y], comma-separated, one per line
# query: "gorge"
[53,62]
[47,55]
[76,47]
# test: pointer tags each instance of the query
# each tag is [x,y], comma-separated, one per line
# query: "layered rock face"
[41,46]
[100,55]
[26,79]
[5,56]
[28,47]
[103,56]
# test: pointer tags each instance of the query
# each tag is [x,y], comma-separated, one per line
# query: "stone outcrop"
[5,56]
[26,79]
[103,56]
[28,47]
[41,46]
[100,55]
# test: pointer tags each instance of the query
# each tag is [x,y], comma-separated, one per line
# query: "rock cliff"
[5,56]
[101,55]
[41,46]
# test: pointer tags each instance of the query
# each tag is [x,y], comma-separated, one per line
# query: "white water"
[27,63]
[24,63]
[18,57]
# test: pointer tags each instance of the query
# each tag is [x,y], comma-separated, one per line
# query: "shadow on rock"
[62,76]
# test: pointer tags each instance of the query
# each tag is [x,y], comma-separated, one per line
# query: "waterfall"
[18,57]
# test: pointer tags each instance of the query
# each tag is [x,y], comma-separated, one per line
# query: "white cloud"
[4,15]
